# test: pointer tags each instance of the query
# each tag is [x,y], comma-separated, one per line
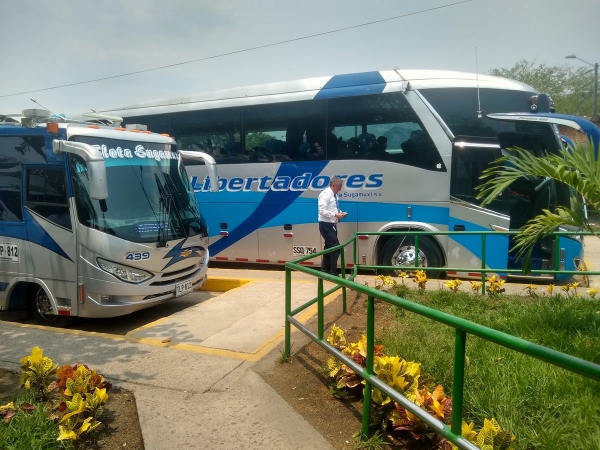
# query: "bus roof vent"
[136,126]
[6,119]
[31,117]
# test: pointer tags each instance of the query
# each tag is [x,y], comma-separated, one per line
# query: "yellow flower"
[592,292]
[476,286]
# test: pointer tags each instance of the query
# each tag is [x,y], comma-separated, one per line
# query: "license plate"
[9,252]
[183,288]
[303,250]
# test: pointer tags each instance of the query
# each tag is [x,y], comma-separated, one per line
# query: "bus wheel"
[400,251]
[41,309]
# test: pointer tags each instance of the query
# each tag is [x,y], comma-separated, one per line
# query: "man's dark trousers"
[329,233]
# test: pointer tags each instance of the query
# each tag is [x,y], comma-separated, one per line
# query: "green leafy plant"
[82,414]
[385,283]
[374,442]
[495,285]
[490,437]
[405,377]
[476,287]
[74,394]
[37,372]
[531,290]
[576,167]
[285,357]
[453,285]
[420,278]
[570,288]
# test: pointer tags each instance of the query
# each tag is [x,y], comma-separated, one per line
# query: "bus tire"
[400,251]
[40,308]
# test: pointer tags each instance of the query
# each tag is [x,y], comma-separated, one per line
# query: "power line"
[249,49]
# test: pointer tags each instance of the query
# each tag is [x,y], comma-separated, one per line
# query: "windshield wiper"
[182,202]
[167,198]
[165,208]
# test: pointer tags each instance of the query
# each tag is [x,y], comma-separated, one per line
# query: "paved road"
[190,361]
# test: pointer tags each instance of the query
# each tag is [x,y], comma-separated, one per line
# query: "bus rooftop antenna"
[479,110]
[48,109]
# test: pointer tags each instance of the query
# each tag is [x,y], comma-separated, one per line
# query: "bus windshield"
[459,107]
[149,195]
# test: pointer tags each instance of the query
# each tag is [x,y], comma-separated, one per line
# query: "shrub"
[406,378]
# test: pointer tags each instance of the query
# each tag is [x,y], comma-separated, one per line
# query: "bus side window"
[379,127]
[15,150]
[46,194]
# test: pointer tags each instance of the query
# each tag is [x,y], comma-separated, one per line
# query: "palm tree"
[576,166]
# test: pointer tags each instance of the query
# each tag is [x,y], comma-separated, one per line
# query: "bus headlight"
[129,274]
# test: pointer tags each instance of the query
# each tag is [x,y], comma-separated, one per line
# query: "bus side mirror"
[210,163]
[95,164]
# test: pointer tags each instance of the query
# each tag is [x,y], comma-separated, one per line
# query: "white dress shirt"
[328,206]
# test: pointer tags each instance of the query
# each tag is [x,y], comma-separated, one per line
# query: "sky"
[239,43]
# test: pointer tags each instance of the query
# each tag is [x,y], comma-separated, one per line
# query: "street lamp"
[595,66]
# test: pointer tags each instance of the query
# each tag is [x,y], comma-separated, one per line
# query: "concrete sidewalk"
[199,390]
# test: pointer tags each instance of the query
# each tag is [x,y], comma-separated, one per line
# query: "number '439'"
[137,256]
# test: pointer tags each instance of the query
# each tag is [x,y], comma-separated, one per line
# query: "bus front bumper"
[110,299]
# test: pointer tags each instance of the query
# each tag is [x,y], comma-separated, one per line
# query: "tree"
[572,89]
[577,167]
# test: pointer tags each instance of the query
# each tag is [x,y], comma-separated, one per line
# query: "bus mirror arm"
[211,165]
[95,164]
[542,184]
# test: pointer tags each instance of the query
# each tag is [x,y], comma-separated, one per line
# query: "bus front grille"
[177,279]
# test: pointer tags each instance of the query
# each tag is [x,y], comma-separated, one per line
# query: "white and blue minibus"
[95,221]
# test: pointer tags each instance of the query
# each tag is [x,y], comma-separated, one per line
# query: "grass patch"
[31,430]
[545,407]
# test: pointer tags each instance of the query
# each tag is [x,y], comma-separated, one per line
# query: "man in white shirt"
[329,216]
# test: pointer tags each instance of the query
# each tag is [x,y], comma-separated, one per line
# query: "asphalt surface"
[190,362]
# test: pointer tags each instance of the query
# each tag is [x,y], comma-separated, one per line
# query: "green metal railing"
[462,328]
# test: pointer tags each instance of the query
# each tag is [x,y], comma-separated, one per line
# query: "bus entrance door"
[467,251]
[470,157]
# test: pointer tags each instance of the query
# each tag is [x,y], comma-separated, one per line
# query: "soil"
[120,427]
[302,383]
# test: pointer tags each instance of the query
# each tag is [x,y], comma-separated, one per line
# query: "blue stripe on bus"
[272,204]
[352,84]
[33,233]
[494,258]
[3,286]
[281,212]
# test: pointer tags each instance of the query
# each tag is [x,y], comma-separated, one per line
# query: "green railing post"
[355,251]
[320,309]
[343,273]
[460,345]
[288,309]
[483,274]
[556,252]
[366,418]
[416,250]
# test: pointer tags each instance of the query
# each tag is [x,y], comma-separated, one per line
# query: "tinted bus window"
[458,108]
[46,194]
[13,151]
[285,131]
[214,131]
[382,127]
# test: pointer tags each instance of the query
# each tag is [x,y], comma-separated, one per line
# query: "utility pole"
[595,66]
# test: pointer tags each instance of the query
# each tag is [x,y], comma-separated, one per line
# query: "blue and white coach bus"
[409,145]
[94,221]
